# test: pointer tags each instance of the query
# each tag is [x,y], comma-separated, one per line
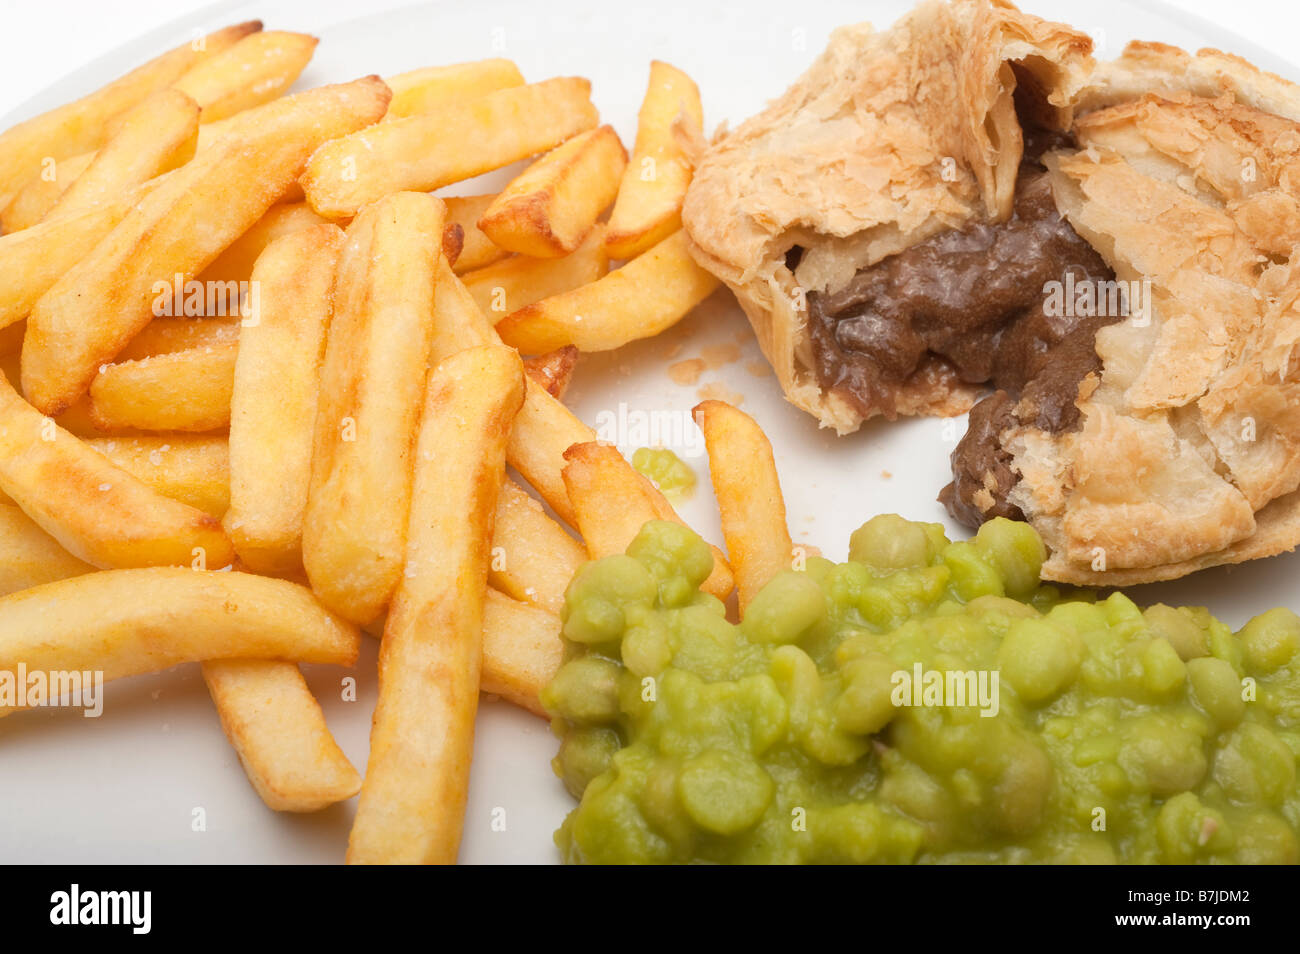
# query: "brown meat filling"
[976,299]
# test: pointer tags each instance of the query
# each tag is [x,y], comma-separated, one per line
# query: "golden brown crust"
[865,155]
[1189,451]
[1186,181]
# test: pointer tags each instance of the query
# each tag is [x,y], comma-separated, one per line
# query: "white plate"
[128,787]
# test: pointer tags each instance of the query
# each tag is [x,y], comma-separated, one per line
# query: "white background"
[44,40]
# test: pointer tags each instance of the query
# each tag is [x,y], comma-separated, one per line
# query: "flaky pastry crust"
[1186,181]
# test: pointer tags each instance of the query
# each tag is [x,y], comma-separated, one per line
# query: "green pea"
[1187,830]
[784,610]
[585,753]
[1039,659]
[585,690]
[1181,630]
[972,575]
[1255,766]
[676,556]
[888,542]
[1016,550]
[1216,688]
[723,792]
[1163,671]
[1270,640]
[595,600]
[865,705]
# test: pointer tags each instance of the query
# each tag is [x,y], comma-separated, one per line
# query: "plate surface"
[153,779]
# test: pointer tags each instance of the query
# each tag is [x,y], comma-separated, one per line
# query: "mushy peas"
[851,716]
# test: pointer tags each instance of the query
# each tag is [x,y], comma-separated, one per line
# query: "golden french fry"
[153,137]
[413,799]
[273,407]
[544,428]
[550,207]
[514,283]
[235,264]
[182,391]
[646,296]
[749,496]
[476,249]
[521,651]
[434,87]
[553,370]
[169,335]
[95,509]
[33,201]
[649,204]
[533,557]
[29,556]
[32,260]
[127,622]
[191,468]
[81,126]
[278,730]
[178,229]
[254,71]
[371,384]
[459,141]
[613,502]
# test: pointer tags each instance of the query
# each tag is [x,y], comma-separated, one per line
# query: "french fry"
[553,370]
[521,651]
[81,126]
[459,141]
[413,799]
[235,264]
[154,137]
[29,556]
[179,229]
[646,296]
[371,384]
[194,469]
[169,335]
[273,406]
[256,70]
[435,87]
[182,391]
[749,496]
[278,730]
[613,502]
[517,282]
[32,260]
[127,622]
[96,510]
[533,557]
[33,201]
[476,249]
[549,208]
[544,428]
[649,204]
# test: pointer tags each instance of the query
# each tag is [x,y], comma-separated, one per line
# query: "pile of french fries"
[253,485]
